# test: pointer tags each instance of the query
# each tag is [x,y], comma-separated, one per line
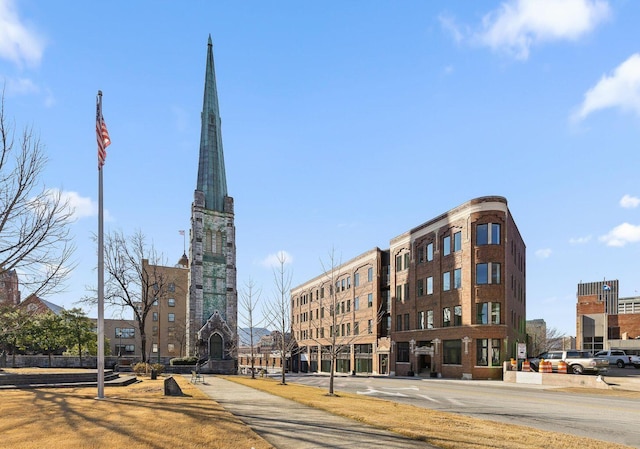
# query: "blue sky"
[344,125]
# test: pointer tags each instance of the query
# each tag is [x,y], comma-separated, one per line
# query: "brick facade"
[436,316]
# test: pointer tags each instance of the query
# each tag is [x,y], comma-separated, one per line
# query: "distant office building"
[447,297]
[604,320]
[536,337]
[596,301]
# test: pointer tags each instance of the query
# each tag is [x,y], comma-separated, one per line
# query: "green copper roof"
[211,175]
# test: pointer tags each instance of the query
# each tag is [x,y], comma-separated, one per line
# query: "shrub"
[183,361]
[145,368]
[141,368]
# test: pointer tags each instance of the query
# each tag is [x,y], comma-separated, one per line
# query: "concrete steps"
[63,379]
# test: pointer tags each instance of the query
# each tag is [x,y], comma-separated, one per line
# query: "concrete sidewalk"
[288,424]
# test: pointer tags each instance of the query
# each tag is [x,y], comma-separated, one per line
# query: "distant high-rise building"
[536,337]
[213,300]
[604,320]
[596,301]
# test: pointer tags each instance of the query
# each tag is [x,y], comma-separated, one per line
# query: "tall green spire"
[212,180]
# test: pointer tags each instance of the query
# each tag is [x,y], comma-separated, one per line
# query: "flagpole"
[100,270]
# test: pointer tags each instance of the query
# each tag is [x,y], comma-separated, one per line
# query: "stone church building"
[212,302]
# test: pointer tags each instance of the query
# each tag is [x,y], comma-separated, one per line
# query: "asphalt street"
[598,415]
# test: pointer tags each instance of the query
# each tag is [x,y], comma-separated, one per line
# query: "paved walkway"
[288,424]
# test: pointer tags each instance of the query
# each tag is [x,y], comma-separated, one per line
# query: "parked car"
[578,362]
[620,358]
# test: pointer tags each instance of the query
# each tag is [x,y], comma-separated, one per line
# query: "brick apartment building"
[606,321]
[166,323]
[351,303]
[447,298]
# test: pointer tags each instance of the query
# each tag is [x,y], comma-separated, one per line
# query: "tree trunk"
[333,367]
[143,346]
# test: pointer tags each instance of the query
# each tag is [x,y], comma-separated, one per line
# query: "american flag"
[103,138]
[181,232]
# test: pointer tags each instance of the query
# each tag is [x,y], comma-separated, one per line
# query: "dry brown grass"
[133,417]
[446,430]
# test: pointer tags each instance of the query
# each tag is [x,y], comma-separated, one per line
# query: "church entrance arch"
[215,347]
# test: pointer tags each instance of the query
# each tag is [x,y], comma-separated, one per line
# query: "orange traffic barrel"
[545,367]
[562,367]
[526,366]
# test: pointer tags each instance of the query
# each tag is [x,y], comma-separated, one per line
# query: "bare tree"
[249,299]
[34,220]
[555,339]
[335,321]
[547,339]
[338,341]
[134,278]
[278,312]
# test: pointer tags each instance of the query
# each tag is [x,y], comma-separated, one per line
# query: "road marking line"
[423,396]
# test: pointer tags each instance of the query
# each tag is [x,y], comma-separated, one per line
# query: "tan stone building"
[166,323]
[448,298]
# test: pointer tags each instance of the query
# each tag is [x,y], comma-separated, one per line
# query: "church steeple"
[212,180]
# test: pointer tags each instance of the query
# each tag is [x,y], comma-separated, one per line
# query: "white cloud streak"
[580,240]
[544,253]
[273,260]
[81,207]
[520,24]
[18,43]
[620,90]
[629,202]
[621,235]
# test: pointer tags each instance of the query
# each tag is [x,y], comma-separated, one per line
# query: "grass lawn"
[140,416]
[446,430]
[133,417]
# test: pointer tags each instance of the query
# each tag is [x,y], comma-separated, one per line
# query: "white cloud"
[621,235]
[449,24]
[543,253]
[20,86]
[580,240]
[519,24]
[82,207]
[629,202]
[273,260]
[18,42]
[621,89]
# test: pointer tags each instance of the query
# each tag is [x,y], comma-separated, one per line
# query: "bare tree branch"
[134,279]
[34,220]
[249,299]
[278,312]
